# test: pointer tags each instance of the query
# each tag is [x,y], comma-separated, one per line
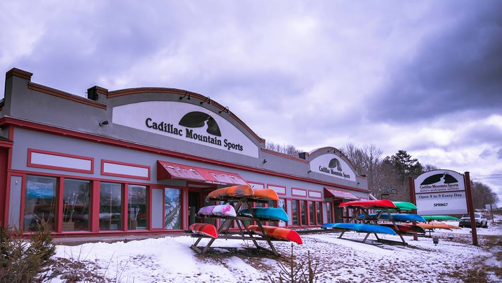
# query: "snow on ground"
[170,259]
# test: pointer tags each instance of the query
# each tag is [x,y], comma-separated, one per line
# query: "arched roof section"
[329,150]
[174,94]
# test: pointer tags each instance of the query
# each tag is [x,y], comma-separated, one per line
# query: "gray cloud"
[457,67]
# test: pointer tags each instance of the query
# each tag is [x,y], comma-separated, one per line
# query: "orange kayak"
[278,233]
[230,192]
[437,225]
[264,194]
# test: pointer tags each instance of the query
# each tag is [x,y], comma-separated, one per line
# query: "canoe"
[277,233]
[239,191]
[400,217]
[204,229]
[368,228]
[440,217]
[405,229]
[264,195]
[437,225]
[403,205]
[369,204]
[266,213]
[222,210]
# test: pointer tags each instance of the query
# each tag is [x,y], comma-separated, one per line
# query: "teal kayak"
[266,213]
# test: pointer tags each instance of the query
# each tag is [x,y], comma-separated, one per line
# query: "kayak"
[369,228]
[222,210]
[437,225]
[239,191]
[369,204]
[403,205]
[266,213]
[277,233]
[440,217]
[405,229]
[204,229]
[401,217]
[264,195]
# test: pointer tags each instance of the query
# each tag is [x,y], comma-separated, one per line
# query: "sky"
[420,76]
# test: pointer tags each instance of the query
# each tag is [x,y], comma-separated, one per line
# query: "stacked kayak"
[368,228]
[277,233]
[266,213]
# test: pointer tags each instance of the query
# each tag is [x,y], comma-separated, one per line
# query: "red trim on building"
[251,183]
[310,196]
[104,140]
[65,95]
[279,186]
[18,73]
[103,161]
[298,189]
[284,155]
[32,150]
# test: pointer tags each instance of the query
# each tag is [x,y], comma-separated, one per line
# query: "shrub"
[22,260]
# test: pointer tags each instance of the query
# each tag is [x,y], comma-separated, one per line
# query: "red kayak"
[369,204]
[278,233]
[405,229]
[204,229]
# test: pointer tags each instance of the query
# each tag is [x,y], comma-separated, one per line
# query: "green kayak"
[440,217]
[403,205]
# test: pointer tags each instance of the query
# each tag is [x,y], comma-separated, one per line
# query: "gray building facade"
[143,160]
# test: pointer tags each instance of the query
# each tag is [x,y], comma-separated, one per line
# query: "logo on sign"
[439,182]
[334,168]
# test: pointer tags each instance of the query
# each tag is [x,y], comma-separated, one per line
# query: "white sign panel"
[440,192]
[334,166]
[185,122]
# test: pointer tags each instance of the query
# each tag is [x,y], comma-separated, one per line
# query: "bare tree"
[285,149]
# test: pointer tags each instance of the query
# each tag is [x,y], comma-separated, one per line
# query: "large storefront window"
[319,213]
[110,206]
[172,209]
[303,210]
[282,204]
[312,212]
[137,208]
[40,202]
[76,200]
[294,212]
[329,212]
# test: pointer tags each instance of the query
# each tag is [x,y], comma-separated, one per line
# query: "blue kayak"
[369,228]
[401,217]
[266,213]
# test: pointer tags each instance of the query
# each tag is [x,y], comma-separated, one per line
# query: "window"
[282,204]
[76,203]
[303,211]
[39,202]
[294,211]
[110,206]
[311,213]
[329,213]
[172,208]
[137,208]
[319,213]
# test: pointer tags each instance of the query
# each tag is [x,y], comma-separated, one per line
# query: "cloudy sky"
[422,76]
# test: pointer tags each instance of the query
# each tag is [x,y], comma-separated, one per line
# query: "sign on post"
[440,192]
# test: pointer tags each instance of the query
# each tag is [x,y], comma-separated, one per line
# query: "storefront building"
[143,160]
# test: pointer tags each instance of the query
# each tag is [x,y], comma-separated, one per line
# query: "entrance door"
[193,207]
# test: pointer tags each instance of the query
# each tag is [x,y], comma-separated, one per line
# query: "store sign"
[333,165]
[440,192]
[185,122]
